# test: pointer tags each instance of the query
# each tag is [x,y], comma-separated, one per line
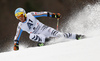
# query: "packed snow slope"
[77,50]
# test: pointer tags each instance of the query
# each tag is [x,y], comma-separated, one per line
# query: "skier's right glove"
[16,45]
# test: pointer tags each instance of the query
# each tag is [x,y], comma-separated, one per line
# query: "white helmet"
[20,11]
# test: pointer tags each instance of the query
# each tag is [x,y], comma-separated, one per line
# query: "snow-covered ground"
[76,50]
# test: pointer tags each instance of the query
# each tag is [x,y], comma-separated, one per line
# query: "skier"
[37,30]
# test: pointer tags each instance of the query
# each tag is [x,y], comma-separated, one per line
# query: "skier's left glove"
[56,15]
[16,45]
[53,15]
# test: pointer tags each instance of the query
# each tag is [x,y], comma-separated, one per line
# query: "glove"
[56,15]
[16,45]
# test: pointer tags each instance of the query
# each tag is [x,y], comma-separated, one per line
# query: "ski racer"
[37,30]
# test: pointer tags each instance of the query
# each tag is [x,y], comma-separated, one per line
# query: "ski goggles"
[19,14]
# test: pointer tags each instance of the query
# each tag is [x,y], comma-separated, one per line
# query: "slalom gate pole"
[57,23]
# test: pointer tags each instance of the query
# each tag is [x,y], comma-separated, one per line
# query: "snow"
[77,50]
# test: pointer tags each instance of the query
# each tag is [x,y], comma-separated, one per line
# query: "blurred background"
[8,22]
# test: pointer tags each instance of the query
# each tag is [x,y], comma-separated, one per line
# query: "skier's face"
[22,19]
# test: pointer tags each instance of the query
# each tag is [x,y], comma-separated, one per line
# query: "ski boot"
[40,44]
[78,37]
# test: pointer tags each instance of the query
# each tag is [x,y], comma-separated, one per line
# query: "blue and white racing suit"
[37,30]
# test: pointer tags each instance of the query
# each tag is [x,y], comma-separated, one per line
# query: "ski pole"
[57,23]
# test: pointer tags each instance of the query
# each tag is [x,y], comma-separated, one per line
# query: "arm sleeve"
[41,14]
[18,33]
